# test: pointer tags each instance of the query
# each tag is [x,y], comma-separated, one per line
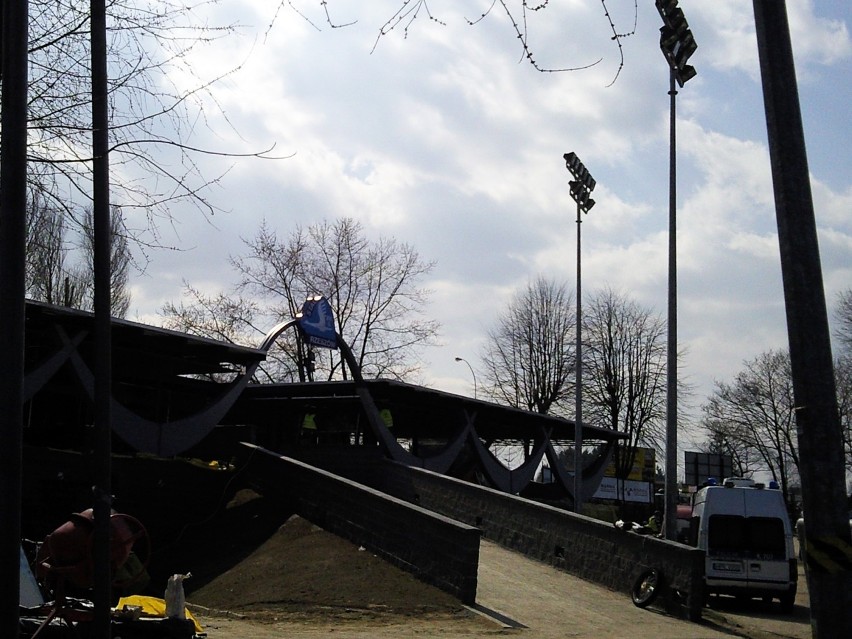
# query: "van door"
[727,555]
[767,565]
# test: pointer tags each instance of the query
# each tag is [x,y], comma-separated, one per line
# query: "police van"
[745,532]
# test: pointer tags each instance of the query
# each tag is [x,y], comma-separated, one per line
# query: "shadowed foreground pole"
[829,551]
[13,201]
[102,462]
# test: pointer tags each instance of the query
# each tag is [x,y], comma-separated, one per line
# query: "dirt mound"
[303,570]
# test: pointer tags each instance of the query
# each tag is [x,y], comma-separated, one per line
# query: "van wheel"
[788,601]
[646,588]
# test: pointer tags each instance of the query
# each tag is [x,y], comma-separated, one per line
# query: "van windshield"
[734,536]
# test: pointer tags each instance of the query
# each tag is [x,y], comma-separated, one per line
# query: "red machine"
[66,558]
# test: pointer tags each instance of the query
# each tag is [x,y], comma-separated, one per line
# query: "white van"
[746,535]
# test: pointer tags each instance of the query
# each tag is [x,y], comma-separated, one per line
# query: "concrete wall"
[359,463]
[435,548]
[588,548]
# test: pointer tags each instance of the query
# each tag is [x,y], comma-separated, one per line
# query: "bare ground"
[307,581]
[304,582]
[260,573]
[302,570]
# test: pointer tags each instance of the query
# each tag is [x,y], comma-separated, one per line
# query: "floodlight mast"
[676,40]
[581,188]
[677,44]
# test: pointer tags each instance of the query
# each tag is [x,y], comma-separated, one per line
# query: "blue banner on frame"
[316,322]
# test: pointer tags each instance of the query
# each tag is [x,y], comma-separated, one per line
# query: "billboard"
[701,466]
[644,466]
[625,490]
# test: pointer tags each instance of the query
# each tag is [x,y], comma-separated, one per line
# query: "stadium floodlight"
[581,188]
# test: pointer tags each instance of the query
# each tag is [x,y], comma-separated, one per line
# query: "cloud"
[725,32]
[444,140]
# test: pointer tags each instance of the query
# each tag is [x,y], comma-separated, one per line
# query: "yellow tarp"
[153,607]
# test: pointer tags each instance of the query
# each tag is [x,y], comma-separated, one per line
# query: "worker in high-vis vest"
[309,432]
[310,421]
[386,416]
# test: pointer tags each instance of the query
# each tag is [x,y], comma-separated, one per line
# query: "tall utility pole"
[102,463]
[581,189]
[677,45]
[13,200]
[828,547]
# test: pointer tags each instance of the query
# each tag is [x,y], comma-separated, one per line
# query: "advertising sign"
[625,490]
[644,466]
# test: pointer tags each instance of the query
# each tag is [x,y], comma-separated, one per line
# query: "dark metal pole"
[578,386]
[829,560]
[671,356]
[13,205]
[103,353]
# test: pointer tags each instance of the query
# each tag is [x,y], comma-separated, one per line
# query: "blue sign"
[316,322]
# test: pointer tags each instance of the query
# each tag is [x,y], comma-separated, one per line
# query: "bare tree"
[519,13]
[843,372]
[59,260]
[743,462]
[156,99]
[119,263]
[372,286]
[231,319]
[755,416]
[843,375]
[219,317]
[843,314]
[529,358]
[48,278]
[625,382]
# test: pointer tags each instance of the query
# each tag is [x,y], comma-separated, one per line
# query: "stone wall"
[434,547]
[586,547]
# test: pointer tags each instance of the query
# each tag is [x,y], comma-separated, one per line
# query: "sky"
[442,136]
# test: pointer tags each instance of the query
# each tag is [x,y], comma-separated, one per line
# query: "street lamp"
[472,374]
[581,188]
[677,45]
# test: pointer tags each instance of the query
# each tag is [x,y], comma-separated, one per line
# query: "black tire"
[788,601]
[646,588]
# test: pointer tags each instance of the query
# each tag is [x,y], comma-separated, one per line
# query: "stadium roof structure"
[158,379]
[167,400]
[417,411]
